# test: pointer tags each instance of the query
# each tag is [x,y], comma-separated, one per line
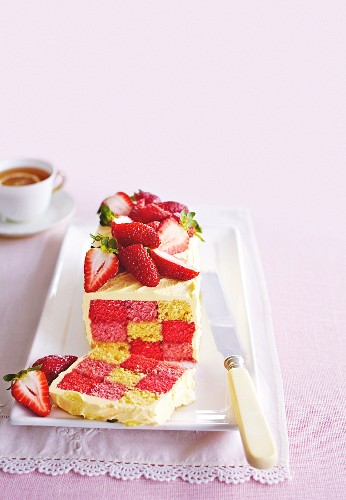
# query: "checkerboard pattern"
[122,376]
[162,330]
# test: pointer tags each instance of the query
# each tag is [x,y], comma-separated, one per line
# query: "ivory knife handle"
[258,442]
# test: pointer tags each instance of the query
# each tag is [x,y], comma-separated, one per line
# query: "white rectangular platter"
[231,250]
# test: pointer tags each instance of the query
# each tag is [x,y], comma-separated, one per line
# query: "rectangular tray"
[231,250]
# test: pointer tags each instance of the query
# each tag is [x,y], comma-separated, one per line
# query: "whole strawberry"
[154,224]
[149,213]
[147,197]
[30,388]
[53,364]
[135,232]
[173,206]
[137,261]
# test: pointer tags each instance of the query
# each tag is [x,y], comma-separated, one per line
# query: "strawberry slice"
[149,213]
[174,239]
[120,203]
[135,232]
[138,262]
[121,219]
[173,206]
[53,364]
[30,388]
[107,216]
[170,266]
[147,197]
[99,267]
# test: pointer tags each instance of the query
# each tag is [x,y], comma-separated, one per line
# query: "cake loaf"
[156,313]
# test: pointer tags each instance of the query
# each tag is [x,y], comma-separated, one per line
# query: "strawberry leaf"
[188,221]
[108,245]
[9,377]
[106,215]
[12,377]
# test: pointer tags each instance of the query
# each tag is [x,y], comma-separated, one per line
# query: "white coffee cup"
[25,202]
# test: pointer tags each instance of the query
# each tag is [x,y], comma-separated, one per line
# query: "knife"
[258,442]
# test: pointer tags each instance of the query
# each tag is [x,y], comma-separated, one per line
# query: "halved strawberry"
[173,206]
[53,364]
[121,219]
[30,388]
[149,213]
[170,266]
[135,232]
[147,197]
[99,267]
[120,203]
[138,262]
[174,239]
[140,203]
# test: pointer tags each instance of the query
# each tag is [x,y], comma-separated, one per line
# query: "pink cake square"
[177,352]
[113,310]
[169,369]
[108,331]
[155,383]
[139,310]
[147,349]
[140,364]
[108,390]
[177,331]
[94,368]
[74,381]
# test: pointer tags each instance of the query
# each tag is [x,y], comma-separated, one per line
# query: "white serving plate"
[230,249]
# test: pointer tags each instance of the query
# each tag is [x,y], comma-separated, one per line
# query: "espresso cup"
[26,188]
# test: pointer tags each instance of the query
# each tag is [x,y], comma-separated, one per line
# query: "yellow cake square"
[125,377]
[149,331]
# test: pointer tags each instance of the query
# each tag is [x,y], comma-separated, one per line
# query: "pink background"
[239,103]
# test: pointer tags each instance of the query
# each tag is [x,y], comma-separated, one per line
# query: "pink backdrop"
[239,103]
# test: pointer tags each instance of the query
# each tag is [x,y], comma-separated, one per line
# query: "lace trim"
[126,471]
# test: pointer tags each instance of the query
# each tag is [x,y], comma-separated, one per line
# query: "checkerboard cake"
[141,310]
[110,383]
[161,321]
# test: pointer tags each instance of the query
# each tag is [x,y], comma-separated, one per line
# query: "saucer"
[61,208]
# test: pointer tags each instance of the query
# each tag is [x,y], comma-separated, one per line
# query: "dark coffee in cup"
[23,176]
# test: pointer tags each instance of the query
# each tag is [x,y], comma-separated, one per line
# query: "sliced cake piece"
[110,383]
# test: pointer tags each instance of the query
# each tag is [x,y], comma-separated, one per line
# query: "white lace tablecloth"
[199,457]
[163,455]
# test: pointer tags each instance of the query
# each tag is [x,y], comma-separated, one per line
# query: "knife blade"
[257,439]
